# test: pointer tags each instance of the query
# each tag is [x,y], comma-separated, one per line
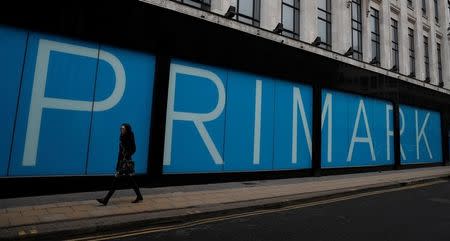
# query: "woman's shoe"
[102,201]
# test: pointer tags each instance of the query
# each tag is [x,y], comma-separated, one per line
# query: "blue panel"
[195,95]
[422,127]
[70,76]
[284,99]
[60,136]
[340,130]
[409,147]
[240,123]
[362,152]
[133,108]
[383,143]
[12,51]
[344,113]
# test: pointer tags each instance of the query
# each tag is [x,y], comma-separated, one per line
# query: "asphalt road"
[420,213]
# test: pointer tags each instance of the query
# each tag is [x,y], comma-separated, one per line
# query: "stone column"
[445,44]
[341,26]
[308,20]
[434,76]
[221,6]
[420,65]
[270,14]
[385,36]
[403,41]
[366,35]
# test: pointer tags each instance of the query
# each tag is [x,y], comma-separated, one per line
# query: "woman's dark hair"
[128,129]
[128,133]
[128,137]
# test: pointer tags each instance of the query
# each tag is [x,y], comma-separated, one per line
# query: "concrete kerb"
[107,224]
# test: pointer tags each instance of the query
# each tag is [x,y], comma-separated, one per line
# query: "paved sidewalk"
[26,217]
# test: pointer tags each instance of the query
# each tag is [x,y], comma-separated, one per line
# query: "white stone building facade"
[418,24]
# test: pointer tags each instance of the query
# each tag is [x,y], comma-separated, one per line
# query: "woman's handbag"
[126,167]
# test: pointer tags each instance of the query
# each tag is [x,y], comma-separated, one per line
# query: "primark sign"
[65,99]
[221,120]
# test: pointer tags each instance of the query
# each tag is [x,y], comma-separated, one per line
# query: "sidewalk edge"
[181,215]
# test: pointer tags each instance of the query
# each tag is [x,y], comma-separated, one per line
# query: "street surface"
[419,212]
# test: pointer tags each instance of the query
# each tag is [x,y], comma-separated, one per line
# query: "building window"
[203,4]
[290,10]
[356,30]
[248,11]
[439,62]
[410,3]
[426,58]
[394,43]
[324,23]
[375,35]
[424,7]
[412,54]
[436,10]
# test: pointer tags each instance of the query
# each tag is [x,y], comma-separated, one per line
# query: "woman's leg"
[111,190]
[135,188]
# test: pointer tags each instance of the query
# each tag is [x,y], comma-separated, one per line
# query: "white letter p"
[39,101]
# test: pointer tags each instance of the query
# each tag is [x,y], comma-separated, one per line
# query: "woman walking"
[127,148]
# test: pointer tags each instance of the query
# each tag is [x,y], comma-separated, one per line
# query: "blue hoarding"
[74,96]
[195,119]
[356,131]
[50,139]
[12,53]
[249,123]
[134,107]
[65,100]
[420,135]
[293,126]
[226,121]
[267,124]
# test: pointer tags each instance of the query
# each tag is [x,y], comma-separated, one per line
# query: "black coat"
[127,148]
